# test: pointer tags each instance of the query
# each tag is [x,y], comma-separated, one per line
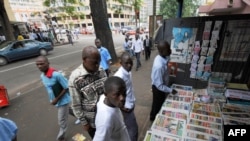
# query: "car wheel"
[43,52]
[3,61]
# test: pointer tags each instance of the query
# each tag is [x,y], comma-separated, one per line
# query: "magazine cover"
[239,116]
[182,87]
[200,91]
[201,136]
[174,113]
[214,114]
[230,121]
[167,125]
[235,108]
[154,136]
[176,104]
[204,130]
[184,93]
[217,120]
[206,107]
[187,99]
[205,124]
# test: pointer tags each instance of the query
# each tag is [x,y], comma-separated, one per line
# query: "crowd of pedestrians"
[104,104]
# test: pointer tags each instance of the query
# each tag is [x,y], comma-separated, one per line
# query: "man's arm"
[158,81]
[76,101]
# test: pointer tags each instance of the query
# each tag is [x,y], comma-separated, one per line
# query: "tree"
[168,8]
[101,25]
[5,22]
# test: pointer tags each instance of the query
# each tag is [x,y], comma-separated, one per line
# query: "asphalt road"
[22,76]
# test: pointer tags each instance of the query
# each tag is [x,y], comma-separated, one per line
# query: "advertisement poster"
[182,44]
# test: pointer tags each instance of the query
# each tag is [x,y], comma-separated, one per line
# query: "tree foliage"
[169,8]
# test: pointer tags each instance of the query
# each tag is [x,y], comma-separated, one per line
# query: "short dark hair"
[113,82]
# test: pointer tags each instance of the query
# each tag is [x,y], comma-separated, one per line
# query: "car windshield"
[5,44]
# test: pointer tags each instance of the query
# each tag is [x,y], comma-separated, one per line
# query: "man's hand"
[174,91]
[54,101]
[86,127]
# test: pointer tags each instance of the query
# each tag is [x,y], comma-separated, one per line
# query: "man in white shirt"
[138,48]
[124,72]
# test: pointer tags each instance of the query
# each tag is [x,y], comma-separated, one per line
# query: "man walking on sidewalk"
[57,87]
[86,86]
[147,43]
[138,48]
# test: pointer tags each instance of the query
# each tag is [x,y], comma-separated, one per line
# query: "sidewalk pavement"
[37,119]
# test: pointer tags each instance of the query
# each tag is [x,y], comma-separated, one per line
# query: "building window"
[116,15]
[88,17]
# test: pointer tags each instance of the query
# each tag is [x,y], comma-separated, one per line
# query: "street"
[29,105]
[20,76]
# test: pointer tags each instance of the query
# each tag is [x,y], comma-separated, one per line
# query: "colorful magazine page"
[206,107]
[230,121]
[235,118]
[176,104]
[201,136]
[170,126]
[187,99]
[184,92]
[205,124]
[174,113]
[206,113]
[212,119]
[200,91]
[204,130]
[182,87]
[155,136]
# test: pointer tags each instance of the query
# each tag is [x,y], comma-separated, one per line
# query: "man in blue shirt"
[160,78]
[105,56]
[8,130]
[59,95]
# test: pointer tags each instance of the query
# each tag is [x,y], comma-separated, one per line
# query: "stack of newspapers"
[170,122]
[235,114]
[204,123]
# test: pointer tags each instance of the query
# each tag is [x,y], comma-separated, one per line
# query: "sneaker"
[77,121]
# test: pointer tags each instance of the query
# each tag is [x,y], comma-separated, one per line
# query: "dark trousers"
[158,99]
[138,61]
[147,52]
[91,130]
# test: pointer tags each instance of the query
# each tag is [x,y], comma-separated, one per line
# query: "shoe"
[77,121]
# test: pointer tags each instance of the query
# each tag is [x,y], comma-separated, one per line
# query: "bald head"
[91,59]
[89,51]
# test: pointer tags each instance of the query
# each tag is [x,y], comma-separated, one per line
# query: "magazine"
[155,136]
[184,93]
[176,105]
[206,107]
[200,92]
[237,115]
[174,113]
[204,130]
[230,121]
[168,125]
[188,99]
[235,107]
[217,120]
[182,87]
[214,114]
[201,136]
[205,124]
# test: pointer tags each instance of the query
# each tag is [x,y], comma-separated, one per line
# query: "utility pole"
[154,16]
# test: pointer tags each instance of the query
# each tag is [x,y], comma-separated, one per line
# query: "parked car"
[16,50]
[130,32]
[125,29]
